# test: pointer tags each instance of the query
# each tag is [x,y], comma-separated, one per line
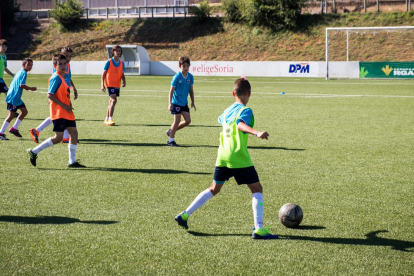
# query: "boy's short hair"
[66,49]
[114,49]
[242,87]
[26,61]
[3,42]
[183,60]
[57,57]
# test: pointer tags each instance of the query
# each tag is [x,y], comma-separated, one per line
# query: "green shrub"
[202,11]
[68,13]
[276,14]
[233,9]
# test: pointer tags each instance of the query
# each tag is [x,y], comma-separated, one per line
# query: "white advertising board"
[216,68]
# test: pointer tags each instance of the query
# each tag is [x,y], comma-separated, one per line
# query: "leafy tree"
[276,14]
[68,13]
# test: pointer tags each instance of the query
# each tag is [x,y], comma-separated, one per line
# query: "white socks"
[4,127]
[72,153]
[65,134]
[17,124]
[47,122]
[170,139]
[258,209]
[44,145]
[199,201]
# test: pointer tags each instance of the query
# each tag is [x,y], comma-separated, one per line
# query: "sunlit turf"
[341,149]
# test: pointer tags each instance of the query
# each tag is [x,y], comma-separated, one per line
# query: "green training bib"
[232,152]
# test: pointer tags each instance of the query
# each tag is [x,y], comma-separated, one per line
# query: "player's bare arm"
[246,129]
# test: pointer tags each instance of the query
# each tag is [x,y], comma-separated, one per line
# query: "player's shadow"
[149,171]
[301,227]
[91,141]
[371,240]
[51,220]
[276,148]
[200,234]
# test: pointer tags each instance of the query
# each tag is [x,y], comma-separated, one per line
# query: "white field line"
[296,95]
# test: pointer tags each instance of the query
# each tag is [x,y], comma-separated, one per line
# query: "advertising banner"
[386,70]
[299,69]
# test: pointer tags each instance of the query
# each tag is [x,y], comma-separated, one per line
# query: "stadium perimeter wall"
[337,69]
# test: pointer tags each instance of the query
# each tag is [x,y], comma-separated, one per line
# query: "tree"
[276,14]
[68,13]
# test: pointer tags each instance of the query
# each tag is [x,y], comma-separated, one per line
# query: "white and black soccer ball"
[290,215]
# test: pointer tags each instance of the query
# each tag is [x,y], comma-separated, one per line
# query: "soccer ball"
[290,215]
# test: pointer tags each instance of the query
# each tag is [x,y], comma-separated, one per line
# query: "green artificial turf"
[341,149]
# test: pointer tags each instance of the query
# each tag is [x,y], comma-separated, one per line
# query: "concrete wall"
[217,68]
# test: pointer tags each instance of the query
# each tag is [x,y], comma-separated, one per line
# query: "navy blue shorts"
[59,125]
[242,176]
[177,109]
[3,88]
[113,90]
[14,108]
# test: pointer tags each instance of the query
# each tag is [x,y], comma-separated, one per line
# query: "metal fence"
[50,4]
[313,6]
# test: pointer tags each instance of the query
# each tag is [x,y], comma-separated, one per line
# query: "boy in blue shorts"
[233,160]
[181,85]
[112,75]
[14,99]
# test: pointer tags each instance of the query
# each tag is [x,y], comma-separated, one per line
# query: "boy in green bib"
[233,159]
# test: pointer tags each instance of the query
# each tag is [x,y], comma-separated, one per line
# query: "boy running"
[34,132]
[14,99]
[181,85]
[111,79]
[61,114]
[3,66]
[233,159]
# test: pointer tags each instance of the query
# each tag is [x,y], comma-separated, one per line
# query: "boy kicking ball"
[233,160]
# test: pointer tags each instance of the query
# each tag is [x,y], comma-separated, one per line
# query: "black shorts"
[113,90]
[3,88]
[14,108]
[242,175]
[177,109]
[59,125]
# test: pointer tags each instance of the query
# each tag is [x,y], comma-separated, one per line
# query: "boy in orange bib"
[61,114]
[111,79]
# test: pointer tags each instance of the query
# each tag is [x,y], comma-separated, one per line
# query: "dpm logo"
[299,68]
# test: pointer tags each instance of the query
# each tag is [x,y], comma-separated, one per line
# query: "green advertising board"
[386,70]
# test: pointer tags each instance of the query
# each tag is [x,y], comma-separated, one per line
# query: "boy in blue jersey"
[233,160]
[181,85]
[3,66]
[14,99]
[34,132]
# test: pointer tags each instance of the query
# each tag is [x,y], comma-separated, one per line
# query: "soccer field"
[341,149]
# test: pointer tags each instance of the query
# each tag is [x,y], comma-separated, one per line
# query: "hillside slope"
[216,39]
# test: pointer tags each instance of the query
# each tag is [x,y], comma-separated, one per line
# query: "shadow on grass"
[150,171]
[199,234]
[101,140]
[110,142]
[51,220]
[371,240]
